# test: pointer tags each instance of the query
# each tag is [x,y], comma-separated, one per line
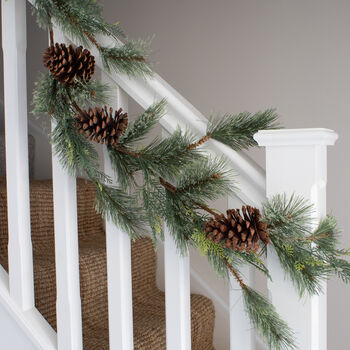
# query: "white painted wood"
[177,292]
[69,322]
[177,296]
[30,323]
[296,162]
[119,273]
[241,329]
[119,283]
[68,303]
[14,43]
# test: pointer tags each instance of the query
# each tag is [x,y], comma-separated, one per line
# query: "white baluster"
[296,162]
[118,265]
[177,296]
[69,322]
[241,329]
[68,304]
[14,42]
[177,293]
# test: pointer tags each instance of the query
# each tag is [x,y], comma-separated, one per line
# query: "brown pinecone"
[237,231]
[100,126]
[68,63]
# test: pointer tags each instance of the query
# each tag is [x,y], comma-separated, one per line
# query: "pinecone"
[68,63]
[100,126]
[237,231]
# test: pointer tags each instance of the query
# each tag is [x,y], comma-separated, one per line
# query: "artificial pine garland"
[178,178]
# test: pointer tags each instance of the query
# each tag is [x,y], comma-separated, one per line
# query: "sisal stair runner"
[148,300]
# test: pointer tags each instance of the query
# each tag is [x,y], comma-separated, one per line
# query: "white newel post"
[296,162]
[14,43]
[241,329]
[68,303]
[118,245]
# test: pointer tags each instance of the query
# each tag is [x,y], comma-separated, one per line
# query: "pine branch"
[308,256]
[48,94]
[206,178]
[237,131]
[82,20]
[153,197]
[165,158]
[199,143]
[122,209]
[202,180]
[138,129]
[275,331]
[129,58]
[263,315]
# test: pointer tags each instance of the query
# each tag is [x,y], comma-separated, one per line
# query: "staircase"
[100,293]
[148,300]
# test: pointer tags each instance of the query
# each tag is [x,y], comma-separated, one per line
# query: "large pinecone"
[237,231]
[99,125]
[67,63]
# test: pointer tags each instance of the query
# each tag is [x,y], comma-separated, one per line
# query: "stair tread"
[148,300]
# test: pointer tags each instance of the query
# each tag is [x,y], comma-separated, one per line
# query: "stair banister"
[14,44]
[296,162]
[118,245]
[68,305]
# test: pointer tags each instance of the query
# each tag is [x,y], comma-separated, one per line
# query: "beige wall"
[235,55]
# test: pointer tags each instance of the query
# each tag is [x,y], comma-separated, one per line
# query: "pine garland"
[178,178]
[83,22]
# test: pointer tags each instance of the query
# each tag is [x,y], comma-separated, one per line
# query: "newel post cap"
[296,137]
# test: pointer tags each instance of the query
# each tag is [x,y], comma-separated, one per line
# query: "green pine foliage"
[48,94]
[84,26]
[206,178]
[308,255]
[138,130]
[120,57]
[237,131]
[122,209]
[265,318]
[164,158]
[179,206]
[69,16]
